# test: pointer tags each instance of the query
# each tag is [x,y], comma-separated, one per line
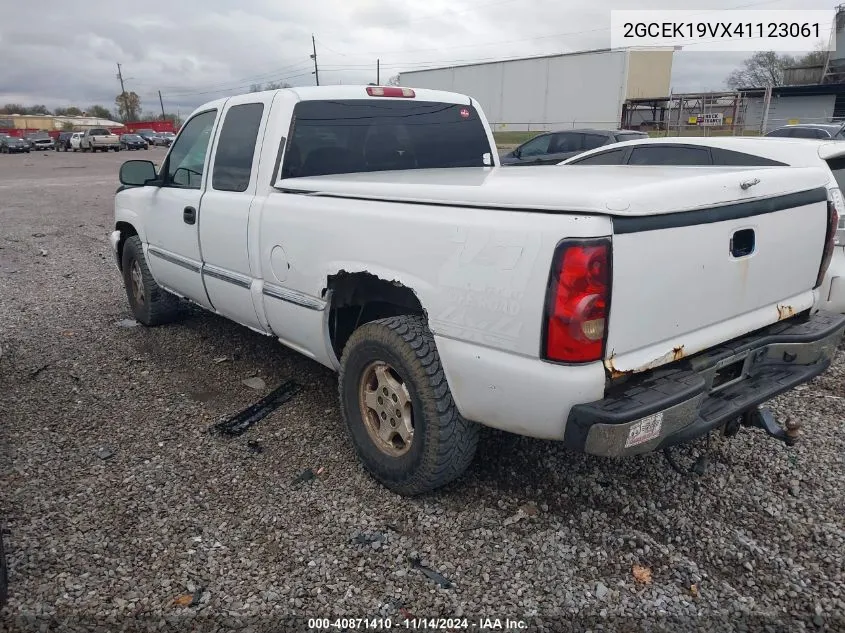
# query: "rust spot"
[678,352]
[784,312]
[615,373]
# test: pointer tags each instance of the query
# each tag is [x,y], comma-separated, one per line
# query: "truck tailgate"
[683,282]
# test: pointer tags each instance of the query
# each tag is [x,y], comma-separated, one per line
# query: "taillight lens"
[578,301]
[829,240]
[838,204]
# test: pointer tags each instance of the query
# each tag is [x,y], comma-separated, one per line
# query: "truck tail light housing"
[829,238]
[390,91]
[578,302]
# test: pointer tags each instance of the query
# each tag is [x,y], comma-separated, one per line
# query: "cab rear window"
[362,135]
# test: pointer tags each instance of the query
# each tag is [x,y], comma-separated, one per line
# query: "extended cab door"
[229,196]
[173,251]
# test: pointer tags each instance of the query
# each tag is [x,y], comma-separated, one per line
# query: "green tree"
[99,112]
[67,126]
[12,108]
[70,111]
[765,68]
[128,106]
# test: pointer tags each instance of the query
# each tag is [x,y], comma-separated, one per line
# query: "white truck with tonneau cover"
[619,310]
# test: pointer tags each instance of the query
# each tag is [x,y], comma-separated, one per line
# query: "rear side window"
[362,135]
[613,157]
[808,132]
[669,155]
[631,136]
[728,157]
[98,131]
[236,147]
[783,132]
[592,141]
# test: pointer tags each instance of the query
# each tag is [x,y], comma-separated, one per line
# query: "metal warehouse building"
[574,90]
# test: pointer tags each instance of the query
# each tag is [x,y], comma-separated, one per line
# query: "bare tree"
[765,68]
[393,81]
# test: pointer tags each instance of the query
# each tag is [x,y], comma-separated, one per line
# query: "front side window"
[781,132]
[536,146]
[236,147]
[361,135]
[186,161]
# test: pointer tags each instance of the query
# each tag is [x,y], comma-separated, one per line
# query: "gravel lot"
[181,529]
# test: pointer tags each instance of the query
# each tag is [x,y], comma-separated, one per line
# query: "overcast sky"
[65,53]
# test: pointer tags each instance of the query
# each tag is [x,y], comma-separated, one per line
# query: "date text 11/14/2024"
[416,624]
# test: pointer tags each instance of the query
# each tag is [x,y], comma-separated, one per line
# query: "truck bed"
[608,190]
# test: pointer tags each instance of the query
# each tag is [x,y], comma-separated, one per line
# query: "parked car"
[448,292]
[826,131]
[13,145]
[552,147]
[132,141]
[99,139]
[146,134]
[164,139]
[40,141]
[75,141]
[63,142]
[747,152]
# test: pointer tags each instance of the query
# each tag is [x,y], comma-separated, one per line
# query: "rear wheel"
[398,408]
[150,304]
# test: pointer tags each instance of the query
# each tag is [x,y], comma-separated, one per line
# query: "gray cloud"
[198,50]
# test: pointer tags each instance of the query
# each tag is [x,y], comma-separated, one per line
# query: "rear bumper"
[676,404]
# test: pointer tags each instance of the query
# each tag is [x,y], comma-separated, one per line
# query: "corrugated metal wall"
[544,93]
[785,110]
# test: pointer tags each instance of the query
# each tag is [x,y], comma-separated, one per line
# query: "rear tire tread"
[452,440]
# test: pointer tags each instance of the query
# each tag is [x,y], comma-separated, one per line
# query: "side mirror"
[137,173]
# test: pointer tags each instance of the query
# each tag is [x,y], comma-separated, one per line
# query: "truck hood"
[602,189]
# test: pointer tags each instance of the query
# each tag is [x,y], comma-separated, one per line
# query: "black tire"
[157,306]
[443,443]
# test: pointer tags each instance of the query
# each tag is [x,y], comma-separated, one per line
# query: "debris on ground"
[221,359]
[255,383]
[641,574]
[189,599]
[243,420]
[254,447]
[104,452]
[438,578]
[42,252]
[38,235]
[127,323]
[38,370]
[523,512]
[368,538]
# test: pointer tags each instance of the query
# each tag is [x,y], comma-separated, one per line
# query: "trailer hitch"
[761,418]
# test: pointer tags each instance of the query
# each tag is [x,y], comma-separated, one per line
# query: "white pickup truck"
[618,310]
[99,139]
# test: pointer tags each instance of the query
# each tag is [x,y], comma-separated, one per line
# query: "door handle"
[189,215]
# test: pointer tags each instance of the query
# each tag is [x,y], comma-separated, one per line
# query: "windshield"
[360,135]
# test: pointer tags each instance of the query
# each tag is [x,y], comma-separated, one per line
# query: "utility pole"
[122,92]
[314,57]
[162,105]
[378,72]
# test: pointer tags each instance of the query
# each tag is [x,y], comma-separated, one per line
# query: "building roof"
[798,91]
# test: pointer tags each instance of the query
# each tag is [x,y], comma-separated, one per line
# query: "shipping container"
[574,90]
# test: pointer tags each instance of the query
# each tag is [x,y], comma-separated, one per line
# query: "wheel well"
[126,231]
[358,298]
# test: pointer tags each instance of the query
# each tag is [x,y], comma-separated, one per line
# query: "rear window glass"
[98,131]
[361,135]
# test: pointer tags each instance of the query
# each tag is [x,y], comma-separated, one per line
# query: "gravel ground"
[122,511]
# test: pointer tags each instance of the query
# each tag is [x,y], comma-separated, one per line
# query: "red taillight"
[829,240]
[390,91]
[577,302]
